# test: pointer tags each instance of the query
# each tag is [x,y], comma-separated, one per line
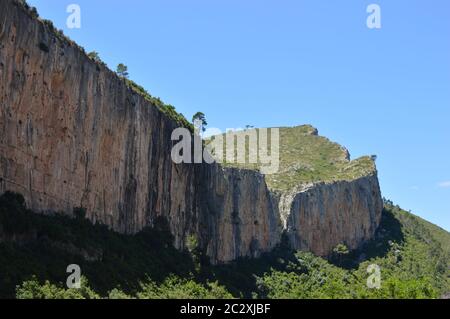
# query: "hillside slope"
[36,248]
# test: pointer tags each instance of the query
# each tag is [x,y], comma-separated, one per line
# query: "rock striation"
[321,216]
[73,134]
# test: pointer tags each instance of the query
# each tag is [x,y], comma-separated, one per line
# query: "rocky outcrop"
[73,134]
[321,216]
[239,215]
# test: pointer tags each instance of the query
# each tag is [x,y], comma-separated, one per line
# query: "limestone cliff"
[238,214]
[73,134]
[321,216]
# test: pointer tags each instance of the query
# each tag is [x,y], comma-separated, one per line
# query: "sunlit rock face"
[239,215]
[72,134]
[324,215]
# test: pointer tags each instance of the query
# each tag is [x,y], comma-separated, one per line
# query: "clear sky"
[287,62]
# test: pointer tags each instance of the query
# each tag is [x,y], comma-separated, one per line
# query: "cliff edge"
[74,134]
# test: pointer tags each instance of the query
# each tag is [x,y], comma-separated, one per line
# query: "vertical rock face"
[239,215]
[72,134]
[325,215]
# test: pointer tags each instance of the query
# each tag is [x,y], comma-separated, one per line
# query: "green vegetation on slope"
[35,251]
[306,157]
[43,246]
[412,263]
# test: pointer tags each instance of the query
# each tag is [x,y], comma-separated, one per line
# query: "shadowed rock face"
[72,134]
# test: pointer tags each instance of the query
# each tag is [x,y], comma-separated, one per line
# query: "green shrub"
[33,290]
[177,288]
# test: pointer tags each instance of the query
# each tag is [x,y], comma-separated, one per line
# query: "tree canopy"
[122,71]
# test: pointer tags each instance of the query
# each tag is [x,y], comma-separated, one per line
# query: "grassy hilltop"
[306,157]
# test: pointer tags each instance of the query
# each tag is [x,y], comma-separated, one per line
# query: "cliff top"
[306,157]
[59,36]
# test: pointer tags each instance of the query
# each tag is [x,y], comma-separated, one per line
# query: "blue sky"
[279,63]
